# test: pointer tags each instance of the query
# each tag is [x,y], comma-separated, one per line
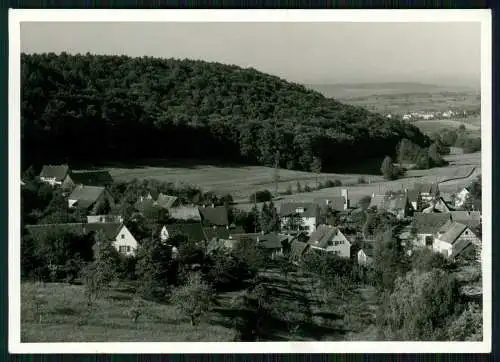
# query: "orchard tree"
[98,275]
[421,304]
[193,299]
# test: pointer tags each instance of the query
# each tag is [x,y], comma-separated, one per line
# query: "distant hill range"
[91,108]
[347,90]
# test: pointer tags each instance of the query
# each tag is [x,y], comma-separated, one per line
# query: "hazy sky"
[301,52]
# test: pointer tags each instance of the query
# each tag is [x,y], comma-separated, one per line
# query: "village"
[430,219]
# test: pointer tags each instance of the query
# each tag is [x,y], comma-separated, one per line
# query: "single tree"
[316,168]
[194,298]
[387,169]
[98,275]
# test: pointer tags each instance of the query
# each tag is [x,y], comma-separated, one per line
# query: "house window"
[466,232]
[330,242]
[428,240]
[123,248]
[123,236]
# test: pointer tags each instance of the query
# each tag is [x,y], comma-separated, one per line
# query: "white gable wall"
[125,242]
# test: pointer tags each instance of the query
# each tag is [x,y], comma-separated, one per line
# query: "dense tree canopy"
[89,108]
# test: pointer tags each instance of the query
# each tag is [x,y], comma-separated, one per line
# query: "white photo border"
[16,16]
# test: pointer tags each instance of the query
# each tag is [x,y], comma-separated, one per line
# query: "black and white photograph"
[310,179]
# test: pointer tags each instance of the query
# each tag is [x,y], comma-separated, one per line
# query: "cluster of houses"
[434,221]
[433,115]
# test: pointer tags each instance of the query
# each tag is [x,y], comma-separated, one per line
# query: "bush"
[361,180]
[288,190]
[261,196]
[307,188]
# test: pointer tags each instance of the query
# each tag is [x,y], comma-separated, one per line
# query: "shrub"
[307,188]
[261,196]
[361,180]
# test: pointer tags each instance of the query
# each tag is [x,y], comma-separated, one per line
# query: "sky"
[308,53]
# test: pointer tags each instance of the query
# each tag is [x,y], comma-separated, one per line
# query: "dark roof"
[240,236]
[214,215]
[470,218]
[86,196]
[165,201]
[58,172]
[459,247]
[271,241]
[144,205]
[289,208]
[413,195]
[298,248]
[110,229]
[193,231]
[379,201]
[334,203]
[185,213]
[398,202]
[429,223]
[323,234]
[92,178]
[452,232]
[430,188]
[217,232]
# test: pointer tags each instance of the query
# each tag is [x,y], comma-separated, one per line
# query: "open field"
[436,125]
[65,317]
[403,97]
[243,181]
[460,166]
[239,181]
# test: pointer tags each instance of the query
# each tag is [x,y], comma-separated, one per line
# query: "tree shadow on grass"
[272,328]
[65,311]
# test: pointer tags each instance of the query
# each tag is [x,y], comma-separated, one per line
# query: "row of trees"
[152,108]
[458,138]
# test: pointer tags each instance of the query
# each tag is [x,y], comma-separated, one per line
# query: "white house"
[299,217]
[426,225]
[454,237]
[461,197]
[365,256]
[122,238]
[330,239]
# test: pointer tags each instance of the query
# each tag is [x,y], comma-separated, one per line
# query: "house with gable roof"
[214,216]
[89,198]
[453,238]
[365,255]
[425,227]
[297,251]
[299,216]
[330,239]
[54,175]
[470,218]
[427,191]
[87,178]
[437,206]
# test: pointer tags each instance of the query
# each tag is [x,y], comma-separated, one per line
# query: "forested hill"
[93,108]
